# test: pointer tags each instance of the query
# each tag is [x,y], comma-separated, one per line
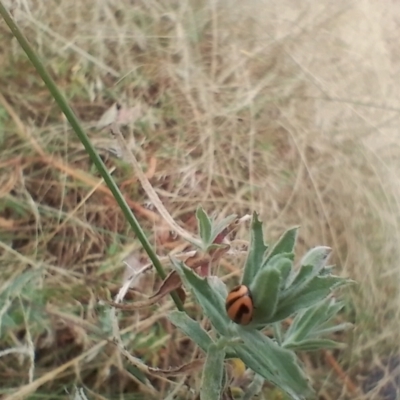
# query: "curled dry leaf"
[134,270]
[170,283]
[230,228]
[137,305]
[203,261]
[181,294]
[119,114]
[173,281]
[198,260]
[185,369]
[217,253]
[108,117]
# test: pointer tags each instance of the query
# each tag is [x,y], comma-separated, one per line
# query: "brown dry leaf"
[170,283]
[150,301]
[206,261]
[136,305]
[217,253]
[185,369]
[230,228]
[173,281]
[119,114]
[181,294]
[198,260]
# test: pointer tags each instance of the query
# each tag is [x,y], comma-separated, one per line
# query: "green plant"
[278,291]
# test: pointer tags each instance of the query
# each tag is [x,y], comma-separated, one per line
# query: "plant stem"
[73,120]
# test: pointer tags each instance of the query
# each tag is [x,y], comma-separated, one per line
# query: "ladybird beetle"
[239,305]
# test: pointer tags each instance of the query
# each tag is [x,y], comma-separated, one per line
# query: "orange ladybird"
[239,305]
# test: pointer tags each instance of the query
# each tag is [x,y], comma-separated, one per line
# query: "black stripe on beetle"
[239,305]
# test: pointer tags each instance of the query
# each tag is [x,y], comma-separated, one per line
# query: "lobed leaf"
[331,329]
[256,252]
[316,257]
[285,243]
[306,320]
[204,226]
[283,262]
[191,328]
[299,280]
[211,382]
[314,344]
[210,300]
[317,289]
[274,363]
[311,265]
[265,290]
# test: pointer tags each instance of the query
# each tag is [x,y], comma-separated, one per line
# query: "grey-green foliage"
[278,291]
[23,289]
[213,371]
[209,229]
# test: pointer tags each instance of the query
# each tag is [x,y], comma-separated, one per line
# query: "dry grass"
[289,108]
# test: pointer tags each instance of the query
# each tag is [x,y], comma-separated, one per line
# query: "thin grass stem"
[94,156]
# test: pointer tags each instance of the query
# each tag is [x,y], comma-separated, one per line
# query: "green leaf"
[311,265]
[327,270]
[306,320]
[316,257]
[277,365]
[285,244]
[283,263]
[316,290]
[278,335]
[211,301]
[219,288]
[191,328]
[314,344]
[256,252]
[204,226]
[331,329]
[265,291]
[18,285]
[211,382]
[300,280]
